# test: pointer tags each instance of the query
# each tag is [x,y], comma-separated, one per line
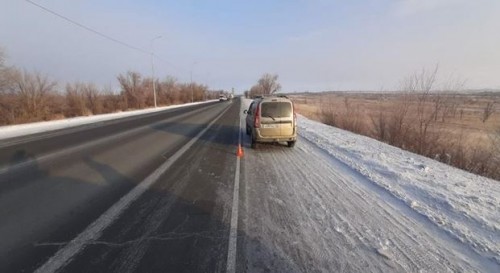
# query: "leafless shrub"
[328,113]
[169,91]
[133,94]
[351,119]
[33,91]
[380,126]
[450,104]
[93,98]
[28,97]
[488,111]
[111,102]
[475,159]
[450,108]
[348,117]
[398,120]
[75,100]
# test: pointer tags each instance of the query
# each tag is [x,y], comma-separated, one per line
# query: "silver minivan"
[271,119]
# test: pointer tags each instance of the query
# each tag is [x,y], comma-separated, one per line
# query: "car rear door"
[276,118]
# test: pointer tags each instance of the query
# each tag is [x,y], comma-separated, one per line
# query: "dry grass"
[447,127]
[30,97]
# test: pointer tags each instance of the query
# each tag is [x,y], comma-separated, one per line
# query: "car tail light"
[256,122]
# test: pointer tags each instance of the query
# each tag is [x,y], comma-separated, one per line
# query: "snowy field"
[344,202]
[44,126]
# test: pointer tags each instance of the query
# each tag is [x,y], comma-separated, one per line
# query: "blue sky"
[312,45]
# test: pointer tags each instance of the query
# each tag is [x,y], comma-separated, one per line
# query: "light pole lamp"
[153,69]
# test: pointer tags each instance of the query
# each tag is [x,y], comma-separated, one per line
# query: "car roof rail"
[282,96]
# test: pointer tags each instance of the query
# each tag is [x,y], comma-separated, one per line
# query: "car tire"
[291,144]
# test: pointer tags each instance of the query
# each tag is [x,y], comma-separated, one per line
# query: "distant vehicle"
[271,119]
[222,98]
[231,96]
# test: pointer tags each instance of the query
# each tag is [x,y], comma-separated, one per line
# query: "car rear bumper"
[260,138]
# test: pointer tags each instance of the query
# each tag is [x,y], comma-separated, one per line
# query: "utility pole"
[153,69]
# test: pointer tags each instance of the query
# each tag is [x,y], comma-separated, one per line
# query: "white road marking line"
[233,232]
[94,230]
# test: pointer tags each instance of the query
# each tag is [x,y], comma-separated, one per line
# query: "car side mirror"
[245,112]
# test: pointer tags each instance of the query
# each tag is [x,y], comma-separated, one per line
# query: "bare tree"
[256,90]
[421,84]
[269,84]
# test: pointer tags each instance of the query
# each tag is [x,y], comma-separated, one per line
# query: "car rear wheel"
[253,144]
[291,143]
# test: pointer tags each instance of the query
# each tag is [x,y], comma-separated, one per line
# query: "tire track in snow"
[340,223]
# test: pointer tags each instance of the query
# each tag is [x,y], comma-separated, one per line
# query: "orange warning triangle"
[239,152]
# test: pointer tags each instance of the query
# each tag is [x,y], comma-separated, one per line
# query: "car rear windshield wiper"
[269,116]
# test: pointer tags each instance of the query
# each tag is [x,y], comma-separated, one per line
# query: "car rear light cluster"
[294,117]
[256,121]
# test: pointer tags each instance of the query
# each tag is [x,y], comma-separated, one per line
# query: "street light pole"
[153,69]
[191,77]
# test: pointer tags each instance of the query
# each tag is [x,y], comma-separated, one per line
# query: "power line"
[87,28]
[169,63]
[101,34]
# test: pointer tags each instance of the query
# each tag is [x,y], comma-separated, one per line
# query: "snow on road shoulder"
[465,205]
[44,126]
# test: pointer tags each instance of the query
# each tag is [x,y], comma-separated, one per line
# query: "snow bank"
[44,126]
[465,205]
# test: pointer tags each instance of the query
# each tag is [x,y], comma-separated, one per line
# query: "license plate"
[269,126]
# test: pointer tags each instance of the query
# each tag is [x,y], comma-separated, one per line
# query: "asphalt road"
[165,192]
[54,186]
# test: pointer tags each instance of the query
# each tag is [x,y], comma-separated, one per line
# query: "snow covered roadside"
[44,126]
[464,205]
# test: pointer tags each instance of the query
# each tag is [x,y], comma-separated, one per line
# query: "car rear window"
[276,109]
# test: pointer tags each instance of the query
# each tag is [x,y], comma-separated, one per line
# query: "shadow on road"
[190,130]
[40,206]
[180,224]
[16,176]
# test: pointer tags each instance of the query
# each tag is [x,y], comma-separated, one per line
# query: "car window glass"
[276,109]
